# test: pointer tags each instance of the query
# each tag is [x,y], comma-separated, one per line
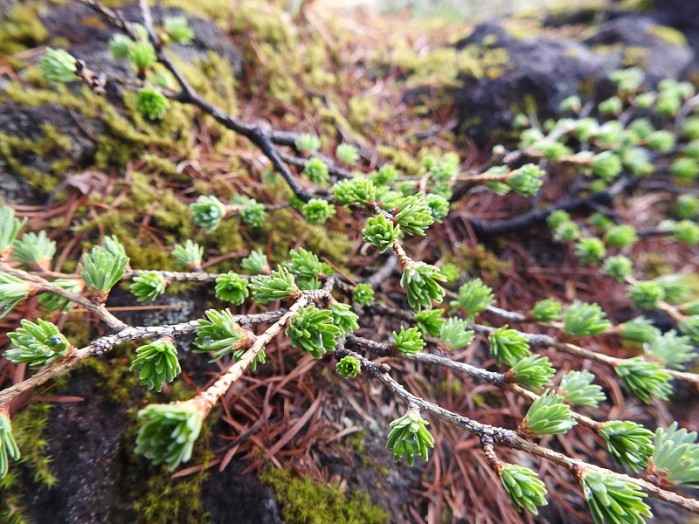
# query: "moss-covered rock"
[547,67]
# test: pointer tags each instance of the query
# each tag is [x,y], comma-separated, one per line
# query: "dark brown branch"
[333,169]
[485,228]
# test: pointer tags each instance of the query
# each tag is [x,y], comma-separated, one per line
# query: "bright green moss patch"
[14,150]
[22,29]
[302,501]
[288,228]
[116,381]
[668,34]
[28,428]
[169,500]
[442,66]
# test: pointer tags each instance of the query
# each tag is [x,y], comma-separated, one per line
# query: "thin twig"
[107,343]
[45,286]
[484,228]
[545,341]
[211,395]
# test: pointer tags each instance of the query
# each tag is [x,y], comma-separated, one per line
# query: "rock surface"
[660,56]
[683,15]
[28,123]
[547,69]
[89,42]
[88,39]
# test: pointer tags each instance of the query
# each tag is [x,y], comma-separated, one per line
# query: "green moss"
[480,259]
[126,133]
[125,136]
[34,177]
[357,442]
[11,509]
[402,159]
[78,332]
[161,165]
[367,115]
[522,28]
[116,382]
[34,97]
[218,11]
[668,34]
[302,501]
[227,238]
[147,196]
[267,37]
[287,228]
[168,500]
[15,151]
[656,264]
[638,5]
[22,29]
[29,428]
[442,66]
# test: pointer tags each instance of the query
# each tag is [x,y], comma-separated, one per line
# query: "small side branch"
[105,344]
[45,286]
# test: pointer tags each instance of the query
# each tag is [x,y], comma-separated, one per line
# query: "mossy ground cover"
[307,502]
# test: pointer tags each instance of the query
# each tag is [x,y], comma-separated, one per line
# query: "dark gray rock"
[26,122]
[86,458]
[661,58]
[547,69]
[89,41]
[682,15]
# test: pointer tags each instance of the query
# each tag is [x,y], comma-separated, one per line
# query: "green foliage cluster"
[220,333]
[409,437]
[147,286]
[421,283]
[548,415]
[613,500]
[278,285]
[408,341]
[36,344]
[156,363]
[578,390]
[103,266]
[168,433]
[314,331]
[454,333]
[523,486]
[508,346]
[348,367]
